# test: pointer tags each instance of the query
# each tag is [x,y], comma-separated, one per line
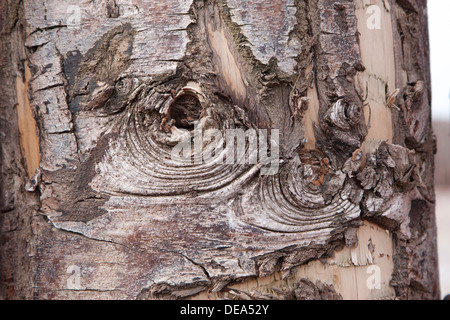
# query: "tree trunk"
[216,149]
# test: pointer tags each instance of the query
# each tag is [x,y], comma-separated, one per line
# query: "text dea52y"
[245,309]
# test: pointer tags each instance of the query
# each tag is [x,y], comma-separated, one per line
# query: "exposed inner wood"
[29,136]
[226,64]
[353,271]
[311,115]
[378,79]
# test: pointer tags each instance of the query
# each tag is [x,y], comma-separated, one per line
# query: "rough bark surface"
[97,94]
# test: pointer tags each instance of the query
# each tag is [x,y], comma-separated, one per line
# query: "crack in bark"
[140,250]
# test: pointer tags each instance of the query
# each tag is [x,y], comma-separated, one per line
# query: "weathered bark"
[97,95]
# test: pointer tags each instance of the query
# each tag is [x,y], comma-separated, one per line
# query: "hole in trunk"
[185,110]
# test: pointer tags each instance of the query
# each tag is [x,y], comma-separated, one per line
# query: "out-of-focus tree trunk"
[97,95]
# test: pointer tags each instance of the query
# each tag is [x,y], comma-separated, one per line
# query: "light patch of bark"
[29,135]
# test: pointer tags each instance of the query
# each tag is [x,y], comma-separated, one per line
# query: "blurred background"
[439,28]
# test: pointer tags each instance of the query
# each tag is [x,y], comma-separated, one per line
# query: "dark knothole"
[185,110]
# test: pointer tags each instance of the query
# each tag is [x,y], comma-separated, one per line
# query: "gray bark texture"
[95,96]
